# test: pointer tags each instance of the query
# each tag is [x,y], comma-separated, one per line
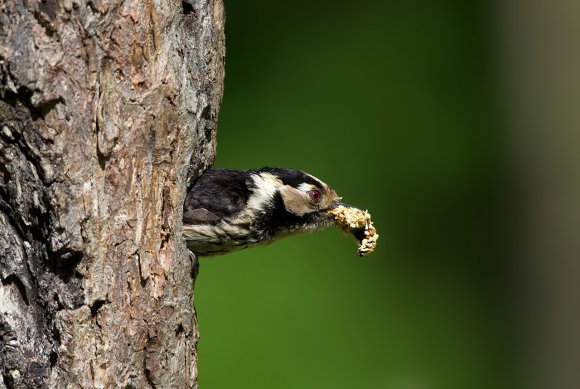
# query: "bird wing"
[217,194]
[200,216]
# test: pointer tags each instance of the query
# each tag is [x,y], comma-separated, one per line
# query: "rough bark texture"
[107,109]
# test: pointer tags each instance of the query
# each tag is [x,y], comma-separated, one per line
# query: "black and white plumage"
[227,209]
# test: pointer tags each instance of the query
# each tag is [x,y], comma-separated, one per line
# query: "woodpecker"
[228,210]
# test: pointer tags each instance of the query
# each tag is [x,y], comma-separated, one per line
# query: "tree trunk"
[107,109]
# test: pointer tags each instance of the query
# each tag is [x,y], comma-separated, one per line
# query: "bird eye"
[314,195]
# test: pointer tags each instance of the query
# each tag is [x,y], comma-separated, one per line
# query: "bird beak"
[326,215]
[337,203]
[358,233]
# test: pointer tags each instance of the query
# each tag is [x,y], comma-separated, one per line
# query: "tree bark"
[107,109]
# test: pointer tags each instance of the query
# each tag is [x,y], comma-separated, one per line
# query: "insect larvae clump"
[357,222]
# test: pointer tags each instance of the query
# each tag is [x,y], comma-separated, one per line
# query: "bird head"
[301,201]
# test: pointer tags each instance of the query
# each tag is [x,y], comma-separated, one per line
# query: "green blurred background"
[394,104]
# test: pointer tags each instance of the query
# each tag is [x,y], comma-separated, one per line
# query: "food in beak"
[358,223]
